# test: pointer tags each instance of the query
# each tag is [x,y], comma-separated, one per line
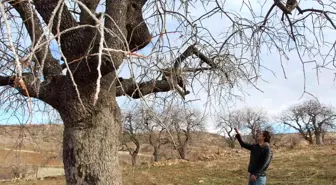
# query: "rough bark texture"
[91,133]
[90,149]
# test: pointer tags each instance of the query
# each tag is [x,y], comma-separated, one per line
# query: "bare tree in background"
[183,122]
[157,133]
[133,126]
[310,118]
[226,124]
[253,119]
[296,118]
[94,45]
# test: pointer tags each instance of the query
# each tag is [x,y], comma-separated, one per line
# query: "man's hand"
[236,130]
[253,178]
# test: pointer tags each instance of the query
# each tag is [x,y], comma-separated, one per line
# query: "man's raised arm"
[241,142]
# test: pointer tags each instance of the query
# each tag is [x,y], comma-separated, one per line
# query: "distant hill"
[47,138]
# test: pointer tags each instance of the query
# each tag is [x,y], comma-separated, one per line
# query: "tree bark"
[310,137]
[90,149]
[134,158]
[231,143]
[156,154]
[182,151]
[319,140]
[91,132]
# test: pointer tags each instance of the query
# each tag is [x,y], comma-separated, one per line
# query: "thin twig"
[101,47]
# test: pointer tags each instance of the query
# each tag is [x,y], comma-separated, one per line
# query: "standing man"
[260,157]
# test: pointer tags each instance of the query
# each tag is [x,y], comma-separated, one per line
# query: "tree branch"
[29,90]
[116,23]
[34,28]
[325,13]
[85,17]
[268,13]
[192,50]
[282,7]
[137,90]
[72,43]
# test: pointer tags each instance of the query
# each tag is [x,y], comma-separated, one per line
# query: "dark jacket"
[260,157]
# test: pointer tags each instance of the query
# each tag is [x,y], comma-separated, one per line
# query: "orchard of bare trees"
[75,57]
[173,127]
[251,120]
[310,118]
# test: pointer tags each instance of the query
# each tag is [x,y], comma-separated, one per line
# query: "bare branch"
[34,28]
[85,17]
[137,90]
[28,89]
[325,13]
[282,7]
[72,42]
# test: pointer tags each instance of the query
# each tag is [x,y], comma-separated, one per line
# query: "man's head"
[264,136]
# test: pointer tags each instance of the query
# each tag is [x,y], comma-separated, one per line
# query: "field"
[302,164]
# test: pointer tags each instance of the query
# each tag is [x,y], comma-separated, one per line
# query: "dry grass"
[314,166]
[294,163]
[309,165]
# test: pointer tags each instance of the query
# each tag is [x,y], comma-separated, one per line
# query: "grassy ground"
[309,165]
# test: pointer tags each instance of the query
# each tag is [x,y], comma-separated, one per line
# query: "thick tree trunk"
[90,149]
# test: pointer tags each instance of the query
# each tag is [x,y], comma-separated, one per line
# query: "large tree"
[95,43]
[310,118]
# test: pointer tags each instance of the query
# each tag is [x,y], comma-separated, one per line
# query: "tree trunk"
[231,141]
[310,140]
[90,148]
[232,144]
[182,151]
[318,136]
[156,154]
[323,136]
[134,158]
[310,137]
